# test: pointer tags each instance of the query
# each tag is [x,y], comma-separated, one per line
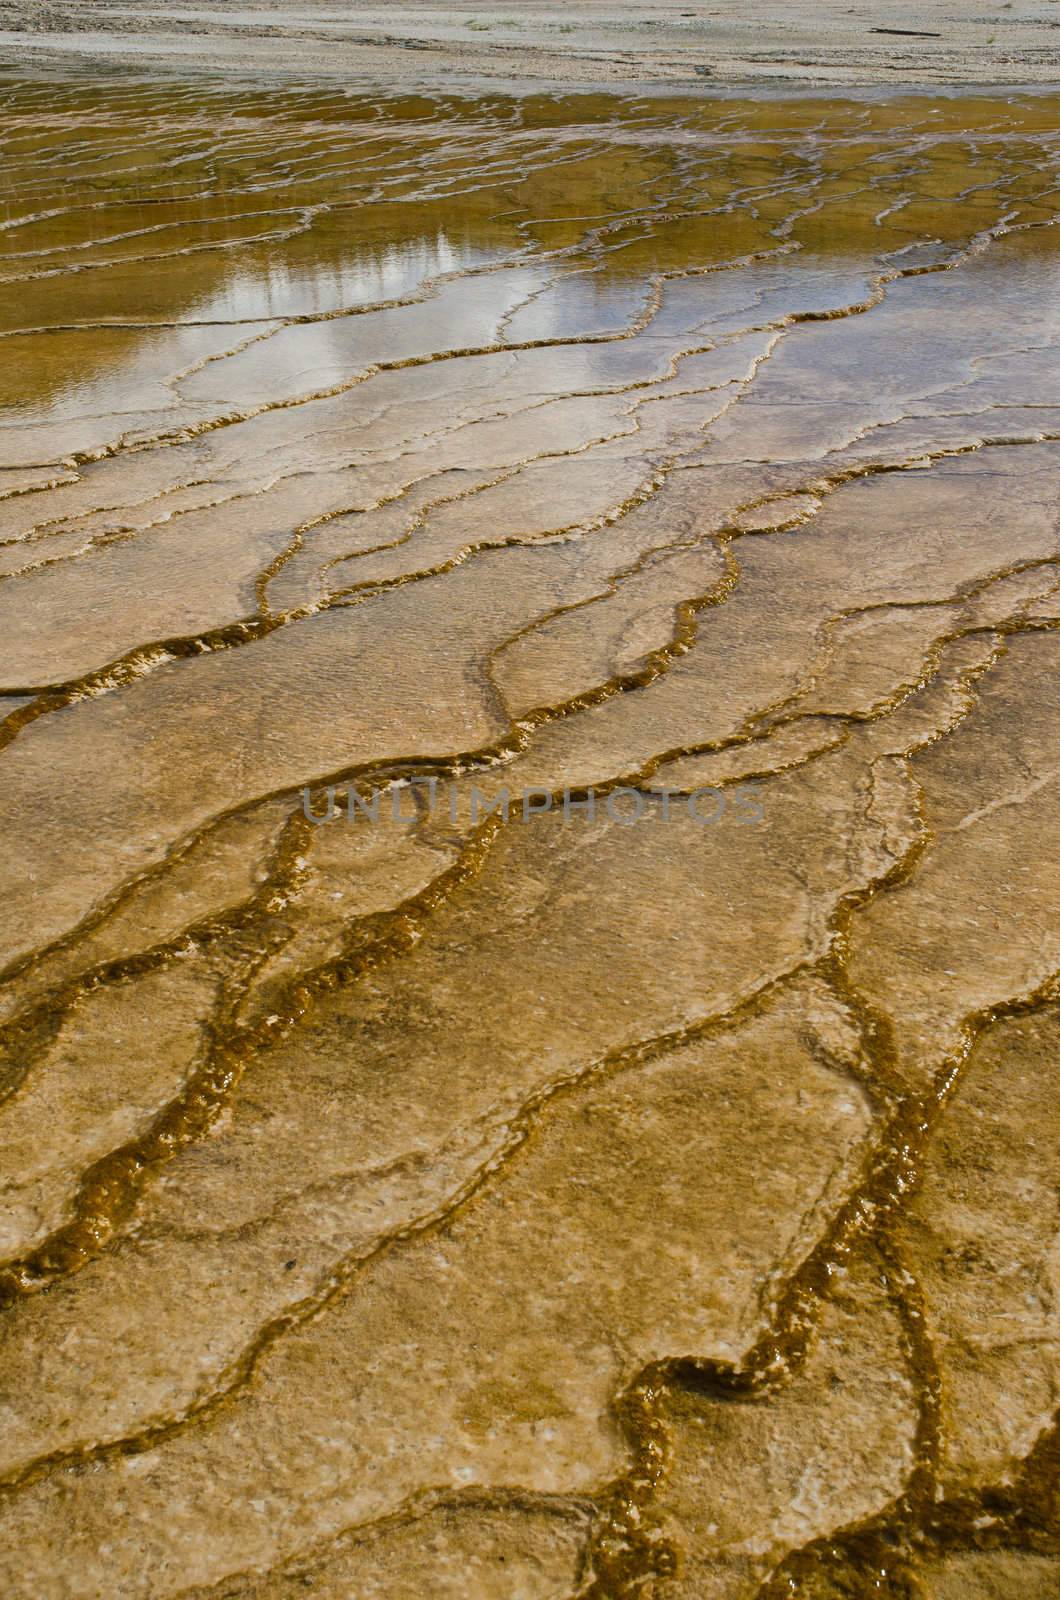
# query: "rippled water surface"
[622,1194]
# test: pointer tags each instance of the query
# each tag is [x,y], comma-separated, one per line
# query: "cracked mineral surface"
[529,686]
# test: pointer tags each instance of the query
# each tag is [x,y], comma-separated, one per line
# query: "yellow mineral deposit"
[513,1188]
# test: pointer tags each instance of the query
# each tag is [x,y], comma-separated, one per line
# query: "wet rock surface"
[530,682]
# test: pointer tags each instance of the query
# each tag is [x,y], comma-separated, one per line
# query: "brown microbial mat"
[529,681]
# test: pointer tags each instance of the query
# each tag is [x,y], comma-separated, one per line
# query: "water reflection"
[134,208]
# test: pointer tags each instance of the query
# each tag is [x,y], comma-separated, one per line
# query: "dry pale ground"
[802,41]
